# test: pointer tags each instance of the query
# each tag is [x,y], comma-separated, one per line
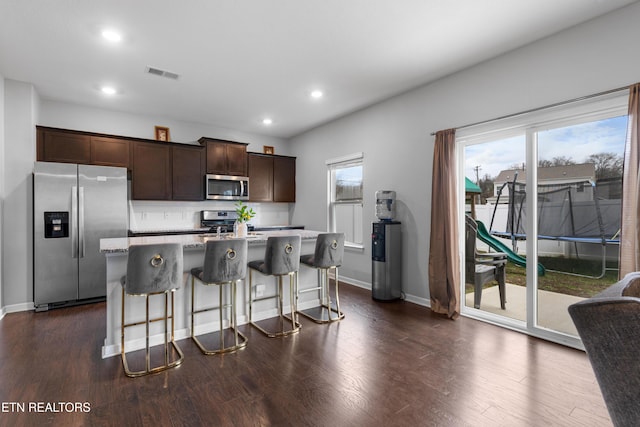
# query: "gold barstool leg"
[295,325]
[325,300]
[123,325]
[240,340]
[340,313]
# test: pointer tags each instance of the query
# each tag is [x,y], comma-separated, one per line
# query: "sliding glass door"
[490,169]
[579,188]
[544,190]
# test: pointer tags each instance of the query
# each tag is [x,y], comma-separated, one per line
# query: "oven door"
[226,187]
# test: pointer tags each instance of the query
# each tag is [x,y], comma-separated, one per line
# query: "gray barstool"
[152,270]
[328,254]
[225,263]
[281,258]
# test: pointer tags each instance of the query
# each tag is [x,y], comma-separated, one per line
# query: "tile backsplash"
[169,215]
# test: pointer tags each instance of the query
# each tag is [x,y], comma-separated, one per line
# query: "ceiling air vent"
[162,73]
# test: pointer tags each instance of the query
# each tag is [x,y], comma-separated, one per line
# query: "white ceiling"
[241,61]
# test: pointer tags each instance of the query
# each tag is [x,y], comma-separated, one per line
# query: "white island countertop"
[192,241]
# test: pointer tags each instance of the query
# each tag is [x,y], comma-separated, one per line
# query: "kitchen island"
[115,252]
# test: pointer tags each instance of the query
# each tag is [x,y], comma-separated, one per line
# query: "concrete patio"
[552,307]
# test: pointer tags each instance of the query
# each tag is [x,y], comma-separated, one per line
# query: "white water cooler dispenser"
[386,250]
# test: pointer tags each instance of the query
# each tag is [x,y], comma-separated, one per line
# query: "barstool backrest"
[225,261]
[329,250]
[282,255]
[153,268]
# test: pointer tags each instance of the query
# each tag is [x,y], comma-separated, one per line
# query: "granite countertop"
[202,230]
[195,241]
[167,231]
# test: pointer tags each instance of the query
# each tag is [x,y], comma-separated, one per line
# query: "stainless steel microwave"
[227,187]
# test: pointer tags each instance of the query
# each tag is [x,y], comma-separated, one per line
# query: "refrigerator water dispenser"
[56,225]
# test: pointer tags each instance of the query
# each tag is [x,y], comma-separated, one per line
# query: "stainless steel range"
[222,219]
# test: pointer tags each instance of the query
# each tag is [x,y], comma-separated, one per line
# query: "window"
[345,189]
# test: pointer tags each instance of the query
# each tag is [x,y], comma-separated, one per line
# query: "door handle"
[81,222]
[73,225]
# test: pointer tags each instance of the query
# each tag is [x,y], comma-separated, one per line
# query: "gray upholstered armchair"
[609,325]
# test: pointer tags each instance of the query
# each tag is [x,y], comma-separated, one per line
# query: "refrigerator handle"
[73,221]
[81,222]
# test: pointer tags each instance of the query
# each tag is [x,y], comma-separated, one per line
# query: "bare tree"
[608,165]
[486,186]
[556,161]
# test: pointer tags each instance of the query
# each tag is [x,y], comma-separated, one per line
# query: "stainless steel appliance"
[74,206]
[227,187]
[386,260]
[225,220]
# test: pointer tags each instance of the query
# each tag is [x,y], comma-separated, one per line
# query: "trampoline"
[580,212]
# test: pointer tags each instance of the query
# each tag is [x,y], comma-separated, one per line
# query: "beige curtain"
[630,230]
[444,270]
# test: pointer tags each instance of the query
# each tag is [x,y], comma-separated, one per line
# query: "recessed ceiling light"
[316,94]
[267,121]
[108,90]
[112,35]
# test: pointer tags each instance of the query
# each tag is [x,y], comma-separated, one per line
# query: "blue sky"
[577,142]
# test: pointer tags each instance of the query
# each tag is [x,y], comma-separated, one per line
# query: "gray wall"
[395,134]
[2,157]
[21,106]
[71,116]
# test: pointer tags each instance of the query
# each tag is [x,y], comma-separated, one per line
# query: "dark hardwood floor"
[385,364]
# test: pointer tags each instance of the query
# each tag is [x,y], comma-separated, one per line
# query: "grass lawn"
[564,283]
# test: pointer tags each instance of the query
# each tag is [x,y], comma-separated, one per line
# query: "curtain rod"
[533,110]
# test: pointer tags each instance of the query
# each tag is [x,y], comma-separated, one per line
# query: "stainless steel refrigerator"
[74,206]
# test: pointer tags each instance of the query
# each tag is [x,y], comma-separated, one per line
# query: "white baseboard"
[15,308]
[355,282]
[425,302]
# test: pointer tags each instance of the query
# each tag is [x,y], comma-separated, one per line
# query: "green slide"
[487,238]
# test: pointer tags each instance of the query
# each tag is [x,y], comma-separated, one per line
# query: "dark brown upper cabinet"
[107,151]
[272,178]
[151,177]
[284,179]
[63,146]
[67,146]
[189,165]
[260,178]
[225,157]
